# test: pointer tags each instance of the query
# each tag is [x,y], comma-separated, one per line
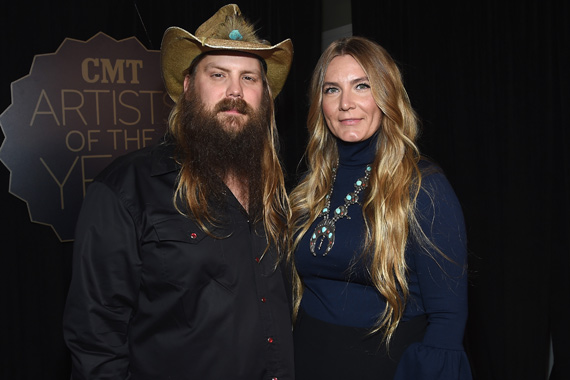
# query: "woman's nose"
[346,102]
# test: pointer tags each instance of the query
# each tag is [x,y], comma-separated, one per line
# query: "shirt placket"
[260,263]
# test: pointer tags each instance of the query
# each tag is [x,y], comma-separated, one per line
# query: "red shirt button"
[270,340]
[193,235]
[257,259]
[263,299]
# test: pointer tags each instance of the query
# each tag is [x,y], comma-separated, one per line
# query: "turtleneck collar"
[357,153]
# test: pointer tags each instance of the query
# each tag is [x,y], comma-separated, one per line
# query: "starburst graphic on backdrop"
[78,109]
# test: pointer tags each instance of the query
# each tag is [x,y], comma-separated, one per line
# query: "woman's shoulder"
[435,187]
[432,174]
[428,167]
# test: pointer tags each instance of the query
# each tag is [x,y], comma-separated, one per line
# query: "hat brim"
[179,48]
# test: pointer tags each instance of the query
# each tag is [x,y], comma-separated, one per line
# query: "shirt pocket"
[184,254]
[179,229]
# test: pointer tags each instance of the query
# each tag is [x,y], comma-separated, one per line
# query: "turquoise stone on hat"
[235,35]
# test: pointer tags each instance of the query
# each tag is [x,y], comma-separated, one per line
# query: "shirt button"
[193,235]
[263,299]
[257,259]
[270,340]
[274,378]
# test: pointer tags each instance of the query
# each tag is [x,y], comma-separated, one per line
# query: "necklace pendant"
[325,211]
[324,231]
[351,198]
[341,212]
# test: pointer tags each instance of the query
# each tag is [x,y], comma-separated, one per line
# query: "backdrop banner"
[78,109]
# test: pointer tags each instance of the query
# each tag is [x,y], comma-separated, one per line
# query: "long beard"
[217,146]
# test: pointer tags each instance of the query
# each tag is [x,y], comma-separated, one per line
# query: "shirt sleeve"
[104,287]
[443,287]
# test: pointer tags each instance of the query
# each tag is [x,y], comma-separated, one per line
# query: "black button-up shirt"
[154,297]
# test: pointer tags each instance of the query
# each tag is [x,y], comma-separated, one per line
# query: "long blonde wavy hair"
[193,196]
[388,208]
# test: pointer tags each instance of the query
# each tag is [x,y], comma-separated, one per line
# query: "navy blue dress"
[338,291]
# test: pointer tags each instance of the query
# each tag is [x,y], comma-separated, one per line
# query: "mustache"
[237,104]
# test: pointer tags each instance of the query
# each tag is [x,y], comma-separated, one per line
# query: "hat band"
[201,56]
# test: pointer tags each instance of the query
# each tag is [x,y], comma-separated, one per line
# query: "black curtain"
[34,265]
[490,81]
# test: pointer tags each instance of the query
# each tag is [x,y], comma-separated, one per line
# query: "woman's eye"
[362,86]
[330,90]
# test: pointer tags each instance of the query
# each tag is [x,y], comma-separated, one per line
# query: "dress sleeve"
[443,287]
[104,287]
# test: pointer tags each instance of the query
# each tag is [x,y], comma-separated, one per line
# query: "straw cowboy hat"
[225,30]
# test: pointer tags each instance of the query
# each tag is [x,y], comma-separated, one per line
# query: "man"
[174,272]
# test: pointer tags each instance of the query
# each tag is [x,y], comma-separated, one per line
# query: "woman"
[378,242]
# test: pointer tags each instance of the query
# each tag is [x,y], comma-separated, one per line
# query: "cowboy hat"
[225,30]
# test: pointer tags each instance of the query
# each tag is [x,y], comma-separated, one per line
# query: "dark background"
[490,81]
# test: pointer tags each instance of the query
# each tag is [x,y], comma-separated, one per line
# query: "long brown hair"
[388,208]
[191,193]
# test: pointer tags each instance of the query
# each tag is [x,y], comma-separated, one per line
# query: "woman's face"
[348,106]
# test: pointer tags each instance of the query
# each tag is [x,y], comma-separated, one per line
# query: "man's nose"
[234,89]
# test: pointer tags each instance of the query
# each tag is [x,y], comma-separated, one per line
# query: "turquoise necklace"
[326,228]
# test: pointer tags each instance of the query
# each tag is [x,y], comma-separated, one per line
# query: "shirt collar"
[162,159]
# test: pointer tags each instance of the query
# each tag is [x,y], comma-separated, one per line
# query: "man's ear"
[186,82]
